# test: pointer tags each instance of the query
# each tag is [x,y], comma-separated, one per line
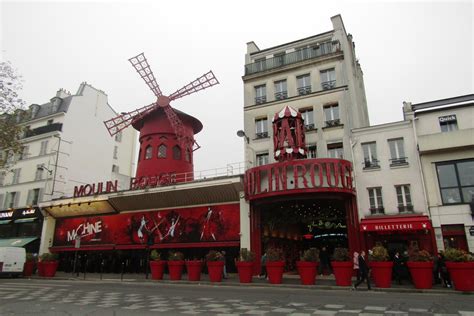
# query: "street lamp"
[241,133]
[248,149]
[43,167]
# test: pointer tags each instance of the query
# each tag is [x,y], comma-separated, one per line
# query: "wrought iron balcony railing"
[377,210]
[328,84]
[309,127]
[281,95]
[304,90]
[398,161]
[43,130]
[260,100]
[371,164]
[293,57]
[405,208]
[261,135]
[331,123]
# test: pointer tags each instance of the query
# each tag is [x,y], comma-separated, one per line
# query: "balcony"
[44,129]
[304,90]
[377,210]
[309,127]
[370,164]
[260,100]
[331,123]
[328,85]
[406,209]
[308,53]
[400,161]
[261,135]
[281,95]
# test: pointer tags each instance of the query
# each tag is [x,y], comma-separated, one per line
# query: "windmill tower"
[166,134]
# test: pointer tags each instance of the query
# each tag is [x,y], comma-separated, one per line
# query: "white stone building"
[66,144]
[445,139]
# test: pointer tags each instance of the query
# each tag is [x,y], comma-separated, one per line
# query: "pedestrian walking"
[324,264]
[363,271]
[263,262]
[443,270]
[355,261]
[398,267]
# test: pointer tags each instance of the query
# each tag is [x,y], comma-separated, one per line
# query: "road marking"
[418,310]
[335,306]
[283,310]
[375,308]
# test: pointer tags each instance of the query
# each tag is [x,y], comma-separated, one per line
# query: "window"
[261,128]
[260,94]
[456,181]
[370,155]
[176,153]
[281,91]
[331,113]
[262,159]
[312,151]
[308,118]
[448,123]
[279,59]
[11,199]
[115,168]
[39,172]
[24,152]
[115,152]
[148,152]
[44,147]
[302,53]
[118,137]
[162,151]
[328,79]
[304,84]
[397,153]
[187,155]
[375,200]
[33,197]
[16,175]
[404,198]
[335,151]
[260,64]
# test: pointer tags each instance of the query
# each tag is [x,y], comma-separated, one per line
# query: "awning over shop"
[82,248]
[25,220]
[395,223]
[5,221]
[78,207]
[16,242]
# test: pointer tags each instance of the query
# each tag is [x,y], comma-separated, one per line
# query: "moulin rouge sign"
[299,176]
[135,184]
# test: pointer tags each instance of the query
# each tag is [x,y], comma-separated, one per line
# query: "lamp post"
[247,147]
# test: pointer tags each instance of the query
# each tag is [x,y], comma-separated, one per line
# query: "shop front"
[21,228]
[399,233]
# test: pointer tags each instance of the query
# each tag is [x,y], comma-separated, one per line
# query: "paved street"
[74,297]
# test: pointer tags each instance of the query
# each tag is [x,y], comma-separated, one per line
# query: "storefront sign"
[8,214]
[471,231]
[152,181]
[296,176]
[190,225]
[392,225]
[95,188]
[30,211]
[447,118]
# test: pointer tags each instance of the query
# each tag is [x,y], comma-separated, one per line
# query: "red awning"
[399,223]
[82,248]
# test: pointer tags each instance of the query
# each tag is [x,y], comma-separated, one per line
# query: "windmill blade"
[177,126]
[205,81]
[141,65]
[116,124]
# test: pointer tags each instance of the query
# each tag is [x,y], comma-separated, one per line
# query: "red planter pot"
[40,268]
[245,270]
[28,268]
[275,271]
[343,271]
[307,271]
[49,268]
[421,274]
[175,269]
[194,268]
[382,273]
[462,275]
[215,269]
[157,268]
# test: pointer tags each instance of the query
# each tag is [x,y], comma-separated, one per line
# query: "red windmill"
[166,135]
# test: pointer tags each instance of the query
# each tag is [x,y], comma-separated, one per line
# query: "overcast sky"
[408,51]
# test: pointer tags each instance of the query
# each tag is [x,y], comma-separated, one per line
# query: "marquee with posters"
[164,228]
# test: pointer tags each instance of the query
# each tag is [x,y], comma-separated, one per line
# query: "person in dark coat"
[324,263]
[398,267]
[443,270]
[363,271]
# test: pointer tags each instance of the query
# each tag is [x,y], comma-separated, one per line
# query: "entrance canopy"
[395,223]
[16,242]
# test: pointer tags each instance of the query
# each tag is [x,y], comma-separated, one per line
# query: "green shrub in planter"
[274,254]
[31,257]
[155,255]
[457,255]
[420,256]
[311,255]
[214,255]
[246,255]
[341,254]
[176,256]
[48,257]
[379,253]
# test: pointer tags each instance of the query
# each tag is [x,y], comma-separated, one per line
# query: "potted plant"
[175,265]
[381,266]
[49,264]
[342,266]
[157,266]
[29,265]
[460,266]
[215,265]
[307,266]
[245,265]
[275,265]
[194,267]
[420,264]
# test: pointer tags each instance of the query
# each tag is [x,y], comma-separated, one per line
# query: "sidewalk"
[289,281]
